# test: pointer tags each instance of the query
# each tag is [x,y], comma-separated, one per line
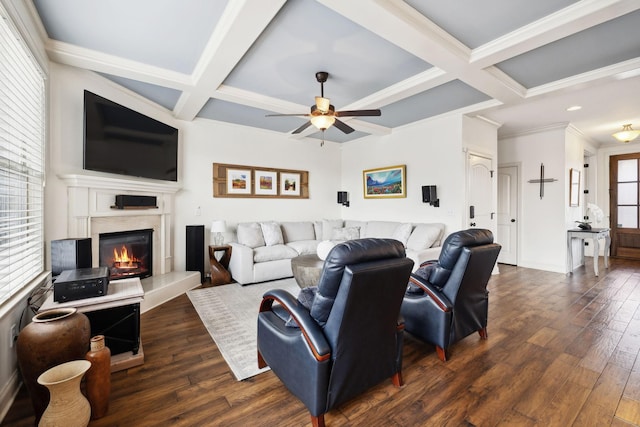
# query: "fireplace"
[127,253]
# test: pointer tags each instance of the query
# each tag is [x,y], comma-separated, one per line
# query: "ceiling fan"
[323,114]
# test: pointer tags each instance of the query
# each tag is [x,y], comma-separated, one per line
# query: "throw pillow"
[327,227]
[423,236]
[402,233]
[345,233]
[272,233]
[324,248]
[250,234]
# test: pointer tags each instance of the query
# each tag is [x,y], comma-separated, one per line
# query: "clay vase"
[98,378]
[67,406]
[53,337]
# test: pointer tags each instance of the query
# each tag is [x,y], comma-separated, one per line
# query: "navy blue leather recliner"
[447,299]
[350,337]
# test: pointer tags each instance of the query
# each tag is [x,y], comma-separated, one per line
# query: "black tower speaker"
[195,249]
[70,254]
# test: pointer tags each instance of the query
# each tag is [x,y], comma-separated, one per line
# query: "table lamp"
[218,227]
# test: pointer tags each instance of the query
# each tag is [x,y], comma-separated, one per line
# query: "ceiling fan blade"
[285,115]
[301,128]
[355,113]
[343,126]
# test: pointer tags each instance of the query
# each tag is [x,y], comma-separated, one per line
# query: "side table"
[219,273]
[594,234]
[116,316]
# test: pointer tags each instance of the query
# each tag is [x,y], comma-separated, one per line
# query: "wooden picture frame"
[289,184]
[385,183]
[238,181]
[248,182]
[574,187]
[265,182]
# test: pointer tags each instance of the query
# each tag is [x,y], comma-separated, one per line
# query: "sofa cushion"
[353,223]
[299,230]
[250,234]
[423,236]
[272,233]
[402,233]
[273,253]
[381,229]
[345,233]
[327,227]
[304,247]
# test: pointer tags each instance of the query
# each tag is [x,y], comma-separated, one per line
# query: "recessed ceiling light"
[574,108]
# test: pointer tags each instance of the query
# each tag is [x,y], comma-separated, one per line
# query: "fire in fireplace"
[126,253]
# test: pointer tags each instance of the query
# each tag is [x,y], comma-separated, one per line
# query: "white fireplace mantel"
[94,181]
[91,210]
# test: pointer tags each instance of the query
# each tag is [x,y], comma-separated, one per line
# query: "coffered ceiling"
[519,63]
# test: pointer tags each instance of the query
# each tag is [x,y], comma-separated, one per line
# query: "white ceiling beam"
[565,22]
[238,28]
[400,24]
[84,58]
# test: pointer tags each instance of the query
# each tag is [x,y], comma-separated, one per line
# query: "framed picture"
[289,184]
[574,187]
[384,183]
[265,183]
[238,181]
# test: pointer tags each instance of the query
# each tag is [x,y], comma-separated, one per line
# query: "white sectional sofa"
[263,251]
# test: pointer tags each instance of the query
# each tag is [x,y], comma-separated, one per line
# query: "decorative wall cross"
[542,180]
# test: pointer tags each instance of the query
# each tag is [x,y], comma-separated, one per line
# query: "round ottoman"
[307,269]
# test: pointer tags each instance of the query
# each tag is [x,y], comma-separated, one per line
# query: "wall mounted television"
[122,141]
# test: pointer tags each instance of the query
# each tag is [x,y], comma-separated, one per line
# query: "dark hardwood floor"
[562,351]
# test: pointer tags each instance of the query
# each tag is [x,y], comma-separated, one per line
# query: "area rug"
[230,313]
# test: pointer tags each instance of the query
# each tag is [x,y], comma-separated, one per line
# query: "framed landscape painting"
[265,182]
[289,184]
[385,183]
[238,181]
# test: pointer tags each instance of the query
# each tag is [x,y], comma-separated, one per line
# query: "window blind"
[22,104]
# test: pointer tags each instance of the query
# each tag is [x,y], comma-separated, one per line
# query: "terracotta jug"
[53,337]
[98,378]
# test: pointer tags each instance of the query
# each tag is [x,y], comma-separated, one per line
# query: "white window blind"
[22,98]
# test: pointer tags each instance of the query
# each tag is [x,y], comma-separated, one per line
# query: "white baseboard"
[8,394]
[164,287]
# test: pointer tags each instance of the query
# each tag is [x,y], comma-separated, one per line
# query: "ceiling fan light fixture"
[323,104]
[322,122]
[627,134]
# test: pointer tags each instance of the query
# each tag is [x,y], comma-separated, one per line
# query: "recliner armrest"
[310,329]
[432,292]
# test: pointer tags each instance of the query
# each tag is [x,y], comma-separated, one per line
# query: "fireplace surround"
[91,211]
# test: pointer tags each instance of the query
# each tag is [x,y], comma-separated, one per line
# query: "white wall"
[542,226]
[206,142]
[432,153]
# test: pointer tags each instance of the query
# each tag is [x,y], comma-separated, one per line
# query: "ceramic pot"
[53,337]
[67,406]
[98,378]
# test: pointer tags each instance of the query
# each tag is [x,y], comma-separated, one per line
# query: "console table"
[595,234]
[116,316]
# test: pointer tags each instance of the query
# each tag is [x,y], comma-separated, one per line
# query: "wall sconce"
[343,198]
[218,227]
[430,195]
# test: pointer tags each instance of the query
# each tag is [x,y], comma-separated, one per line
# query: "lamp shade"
[219,226]
[322,122]
[627,134]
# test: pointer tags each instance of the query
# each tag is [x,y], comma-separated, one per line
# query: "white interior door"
[508,214]
[480,211]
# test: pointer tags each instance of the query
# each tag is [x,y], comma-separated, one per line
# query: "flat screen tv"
[122,141]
